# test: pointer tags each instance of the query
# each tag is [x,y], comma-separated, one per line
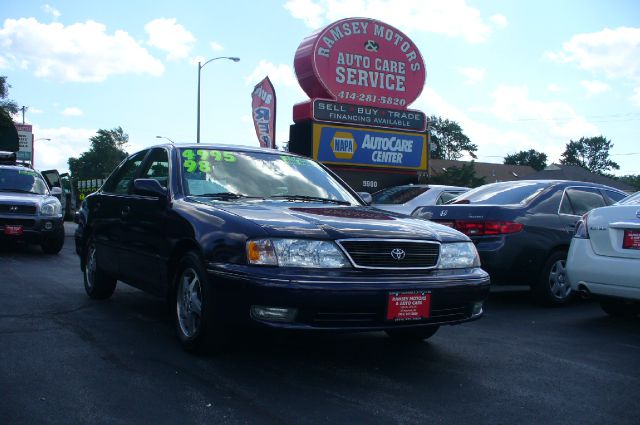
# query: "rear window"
[398,194]
[506,193]
[631,200]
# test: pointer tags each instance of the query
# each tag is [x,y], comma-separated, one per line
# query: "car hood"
[21,198]
[287,219]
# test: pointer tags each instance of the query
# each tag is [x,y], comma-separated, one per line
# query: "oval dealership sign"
[361,61]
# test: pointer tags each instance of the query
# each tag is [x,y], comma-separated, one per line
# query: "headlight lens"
[295,253]
[458,255]
[51,208]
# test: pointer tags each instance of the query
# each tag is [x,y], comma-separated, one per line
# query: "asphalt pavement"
[66,359]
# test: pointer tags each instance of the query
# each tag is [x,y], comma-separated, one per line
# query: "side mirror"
[56,191]
[366,197]
[149,187]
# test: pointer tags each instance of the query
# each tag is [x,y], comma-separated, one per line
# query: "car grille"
[26,223]
[390,254]
[17,209]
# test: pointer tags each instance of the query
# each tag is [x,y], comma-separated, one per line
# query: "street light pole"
[200,66]
[163,137]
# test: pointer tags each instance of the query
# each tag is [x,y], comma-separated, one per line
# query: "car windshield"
[21,181]
[231,175]
[630,200]
[398,194]
[505,193]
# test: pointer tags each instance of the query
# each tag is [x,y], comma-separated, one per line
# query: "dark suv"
[234,235]
[523,229]
[29,211]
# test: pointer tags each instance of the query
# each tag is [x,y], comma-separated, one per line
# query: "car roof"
[562,182]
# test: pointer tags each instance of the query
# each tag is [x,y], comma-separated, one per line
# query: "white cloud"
[81,52]
[35,110]
[635,98]
[499,21]
[50,10]
[65,142]
[595,87]
[216,47]
[616,53]
[453,18]
[72,112]
[173,38]
[554,88]
[513,122]
[280,75]
[473,75]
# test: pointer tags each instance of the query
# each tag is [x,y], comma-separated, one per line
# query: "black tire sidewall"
[103,284]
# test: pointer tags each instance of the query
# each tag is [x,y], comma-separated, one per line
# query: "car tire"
[54,243]
[620,308]
[552,287]
[412,335]
[198,327]
[98,284]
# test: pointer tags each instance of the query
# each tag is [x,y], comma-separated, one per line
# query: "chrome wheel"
[558,283]
[189,303]
[90,267]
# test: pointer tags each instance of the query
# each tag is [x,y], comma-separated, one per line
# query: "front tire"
[552,287]
[412,335]
[197,325]
[54,243]
[97,283]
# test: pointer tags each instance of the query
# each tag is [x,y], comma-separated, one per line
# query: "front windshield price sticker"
[202,159]
[407,306]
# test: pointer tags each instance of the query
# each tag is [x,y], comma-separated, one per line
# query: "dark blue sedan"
[234,236]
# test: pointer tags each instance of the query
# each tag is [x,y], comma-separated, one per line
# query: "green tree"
[448,139]
[105,153]
[631,179]
[591,153]
[465,175]
[8,132]
[532,158]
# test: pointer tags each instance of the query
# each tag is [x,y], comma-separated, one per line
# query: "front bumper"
[345,300]
[35,228]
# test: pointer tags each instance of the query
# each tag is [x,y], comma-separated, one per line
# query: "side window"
[584,200]
[158,167]
[613,197]
[565,205]
[125,174]
[446,197]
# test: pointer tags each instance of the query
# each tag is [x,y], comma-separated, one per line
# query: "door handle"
[125,211]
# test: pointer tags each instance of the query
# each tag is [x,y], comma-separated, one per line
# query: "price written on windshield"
[201,159]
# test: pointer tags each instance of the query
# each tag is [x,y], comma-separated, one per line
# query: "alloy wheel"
[558,283]
[189,303]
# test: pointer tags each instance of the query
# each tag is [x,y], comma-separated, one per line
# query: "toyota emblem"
[398,254]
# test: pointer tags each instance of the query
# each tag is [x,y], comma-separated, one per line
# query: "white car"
[604,257]
[404,199]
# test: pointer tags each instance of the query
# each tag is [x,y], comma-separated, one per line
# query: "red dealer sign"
[361,61]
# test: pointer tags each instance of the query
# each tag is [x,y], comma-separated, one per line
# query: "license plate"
[631,239]
[13,230]
[407,306]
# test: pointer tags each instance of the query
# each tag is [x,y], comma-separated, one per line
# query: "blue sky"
[515,75]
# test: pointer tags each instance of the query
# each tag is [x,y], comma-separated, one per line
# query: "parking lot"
[68,359]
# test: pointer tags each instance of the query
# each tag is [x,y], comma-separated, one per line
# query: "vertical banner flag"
[263,108]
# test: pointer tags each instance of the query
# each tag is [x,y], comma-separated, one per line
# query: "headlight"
[458,255]
[295,253]
[51,208]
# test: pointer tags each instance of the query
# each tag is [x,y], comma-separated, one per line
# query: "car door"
[144,221]
[105,214]
[577,201]
[52,177]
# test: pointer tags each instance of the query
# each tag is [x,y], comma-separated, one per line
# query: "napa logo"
[343,145]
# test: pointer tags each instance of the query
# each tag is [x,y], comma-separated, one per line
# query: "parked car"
[604,257]
[234,235]
[523,229]
[29,211]
[406,198]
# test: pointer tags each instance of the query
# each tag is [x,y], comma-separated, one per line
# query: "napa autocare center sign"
[361,75]
[25,136]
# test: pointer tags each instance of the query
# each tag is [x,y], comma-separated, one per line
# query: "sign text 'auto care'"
[361,61]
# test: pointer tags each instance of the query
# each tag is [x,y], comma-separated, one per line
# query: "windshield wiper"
[310,199]
[224,195]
